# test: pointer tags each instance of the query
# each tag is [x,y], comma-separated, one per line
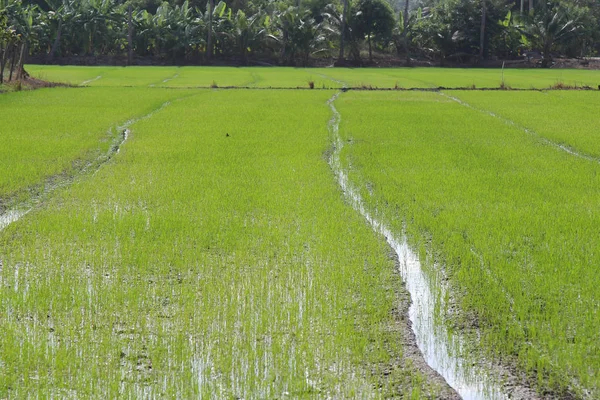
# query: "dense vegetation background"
[296,32]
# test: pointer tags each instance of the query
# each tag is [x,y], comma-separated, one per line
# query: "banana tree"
[8,37]
[61,13]
[18,32]
[249,32]
[300,34]
[100,23]
[239,31]
[173,31]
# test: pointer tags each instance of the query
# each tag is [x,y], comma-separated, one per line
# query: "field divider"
[344,84]
[528,131]
[440,352]
[120,133]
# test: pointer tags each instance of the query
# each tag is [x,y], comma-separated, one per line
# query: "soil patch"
[28,83]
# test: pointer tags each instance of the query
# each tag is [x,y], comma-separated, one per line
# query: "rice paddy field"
[269,77]
[165,235]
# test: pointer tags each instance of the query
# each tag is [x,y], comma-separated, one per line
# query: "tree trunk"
[13,57]
[405,32]
[209,44]
[531,6]
[343,30]
[56,43]
[130,36]
[522,6]
[482,33]
[370,49]
[21,62]
[547,57]
[4,59]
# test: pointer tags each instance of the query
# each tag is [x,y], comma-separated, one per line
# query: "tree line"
[294,32]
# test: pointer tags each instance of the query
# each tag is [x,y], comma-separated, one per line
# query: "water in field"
[439,349]
[11,216]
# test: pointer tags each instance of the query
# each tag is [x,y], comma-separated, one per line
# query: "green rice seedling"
[512,221]
[49,134]
[285,77]
[566,118]
[66,74]
[213,256]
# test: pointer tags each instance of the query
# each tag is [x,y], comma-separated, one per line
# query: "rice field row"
[264,77]
[56,132]
[512,220]
[212,257]
[566,118]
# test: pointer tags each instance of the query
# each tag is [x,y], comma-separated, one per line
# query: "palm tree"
[549,26]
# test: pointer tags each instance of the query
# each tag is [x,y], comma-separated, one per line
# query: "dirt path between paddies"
[426,343]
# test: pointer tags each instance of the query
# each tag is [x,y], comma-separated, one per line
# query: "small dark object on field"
[227,135]
[598,87]
[311,84]
[214,85]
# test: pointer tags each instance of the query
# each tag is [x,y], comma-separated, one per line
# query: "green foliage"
[299,34]
[291,32]
[554,24]
[373,20]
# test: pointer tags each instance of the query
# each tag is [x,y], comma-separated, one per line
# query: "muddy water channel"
[11,216]
[439,349]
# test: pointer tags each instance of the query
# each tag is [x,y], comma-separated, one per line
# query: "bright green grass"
[514,221]
[567,118]
[462,77]
[196,263]
[492,78]
[135,76]
[185,77]
[55,131]
[323,77]
[209,76]
[291,77]
[253,77]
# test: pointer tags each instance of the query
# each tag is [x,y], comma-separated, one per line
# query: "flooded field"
[165,240]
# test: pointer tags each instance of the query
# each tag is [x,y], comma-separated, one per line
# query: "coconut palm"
[550,25]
